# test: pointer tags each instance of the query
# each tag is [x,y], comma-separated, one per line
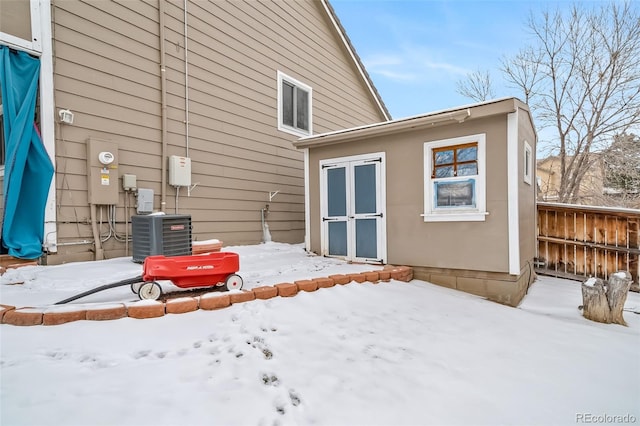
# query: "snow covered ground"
[389,354]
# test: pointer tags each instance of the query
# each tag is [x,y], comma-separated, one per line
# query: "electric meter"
[106,158]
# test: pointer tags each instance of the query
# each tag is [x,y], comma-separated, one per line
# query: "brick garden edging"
[61,314]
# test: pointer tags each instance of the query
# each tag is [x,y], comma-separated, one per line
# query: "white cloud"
[449,68]
[413,64]
[396,76]
[391,66]
[383,59]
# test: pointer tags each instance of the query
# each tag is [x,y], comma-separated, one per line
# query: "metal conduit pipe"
[186,81]
[186,88]
[99,253]
[75,243]
[163,102]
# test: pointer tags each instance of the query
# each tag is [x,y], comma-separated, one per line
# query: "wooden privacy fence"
[577,242]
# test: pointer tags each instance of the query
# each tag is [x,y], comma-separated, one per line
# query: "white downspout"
[47,123]
[307,203]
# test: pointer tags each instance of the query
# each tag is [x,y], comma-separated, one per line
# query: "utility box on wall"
[179,171]
[145,200]
[102,171]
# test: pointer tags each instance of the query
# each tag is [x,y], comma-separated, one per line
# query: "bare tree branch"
[476,86]
[581,77]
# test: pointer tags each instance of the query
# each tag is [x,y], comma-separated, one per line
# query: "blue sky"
[416,51]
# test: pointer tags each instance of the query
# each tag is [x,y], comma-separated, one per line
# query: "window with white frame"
[454,179]
[528,163]
[23,31]
[294,106]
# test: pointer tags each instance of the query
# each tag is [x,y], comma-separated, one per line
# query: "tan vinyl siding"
[107,71]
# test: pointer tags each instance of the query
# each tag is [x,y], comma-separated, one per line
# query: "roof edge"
[441,117]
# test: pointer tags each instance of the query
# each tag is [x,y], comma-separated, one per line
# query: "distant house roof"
[447,116]
[548,163]
[354,55]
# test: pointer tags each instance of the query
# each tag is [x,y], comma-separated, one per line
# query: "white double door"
[352,205]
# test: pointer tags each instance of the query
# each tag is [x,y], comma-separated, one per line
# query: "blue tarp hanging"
[28,169]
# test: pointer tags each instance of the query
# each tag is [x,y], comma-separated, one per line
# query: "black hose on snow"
[128,281]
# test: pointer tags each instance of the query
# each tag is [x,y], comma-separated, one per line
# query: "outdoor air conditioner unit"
[168,235]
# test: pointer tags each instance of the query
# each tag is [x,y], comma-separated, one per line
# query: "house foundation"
[503,288]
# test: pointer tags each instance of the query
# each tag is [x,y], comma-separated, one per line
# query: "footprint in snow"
[280,406]
[270,380]
[281,403]
[294,397]
[141,354]
[57,355]
[258,343]
[87,358]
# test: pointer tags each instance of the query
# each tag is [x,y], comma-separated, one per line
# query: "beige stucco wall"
[468,256]
[459,245]
[107,57]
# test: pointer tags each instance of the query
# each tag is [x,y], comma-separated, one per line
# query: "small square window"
[528,163]
[294,106]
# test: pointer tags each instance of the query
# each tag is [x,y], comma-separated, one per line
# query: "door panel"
[366,208]
[337,192]
[337,238]
[366,239]
[336,218]
[365,188]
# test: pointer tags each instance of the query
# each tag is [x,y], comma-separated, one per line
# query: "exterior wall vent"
[168,235]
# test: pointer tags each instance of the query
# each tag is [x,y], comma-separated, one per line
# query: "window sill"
[455,217]
[293,131]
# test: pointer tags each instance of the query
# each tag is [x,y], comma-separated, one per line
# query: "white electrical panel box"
[129,182]
[179,171]
[145,200]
